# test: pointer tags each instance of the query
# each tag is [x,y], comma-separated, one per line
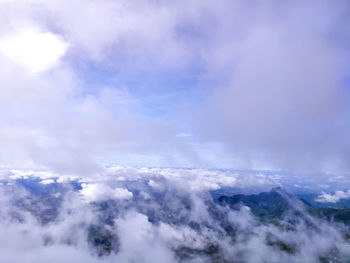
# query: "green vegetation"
[103,240]
[267,206]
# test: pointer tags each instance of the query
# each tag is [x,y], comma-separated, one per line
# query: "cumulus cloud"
[138,237]
[47,181]
[172,224]
[35,50]
[333,198]
[102,192]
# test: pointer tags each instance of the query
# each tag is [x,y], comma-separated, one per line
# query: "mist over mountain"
[158,131]
[155,215]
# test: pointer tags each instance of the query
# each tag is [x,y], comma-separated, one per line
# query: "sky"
[149,105]
[203,84]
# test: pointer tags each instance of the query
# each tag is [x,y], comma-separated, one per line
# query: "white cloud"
[37,51]
[102,192]
[139,239]
[48,181]
[268,120]
[333,198]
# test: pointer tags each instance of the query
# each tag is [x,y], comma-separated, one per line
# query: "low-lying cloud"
[168,223]
[333,198]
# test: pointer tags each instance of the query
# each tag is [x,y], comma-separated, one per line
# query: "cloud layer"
[257,85]
[162,221]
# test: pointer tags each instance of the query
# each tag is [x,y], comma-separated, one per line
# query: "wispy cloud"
[266,81]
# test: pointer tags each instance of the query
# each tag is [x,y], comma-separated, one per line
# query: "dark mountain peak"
[278,189]
[272,204]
